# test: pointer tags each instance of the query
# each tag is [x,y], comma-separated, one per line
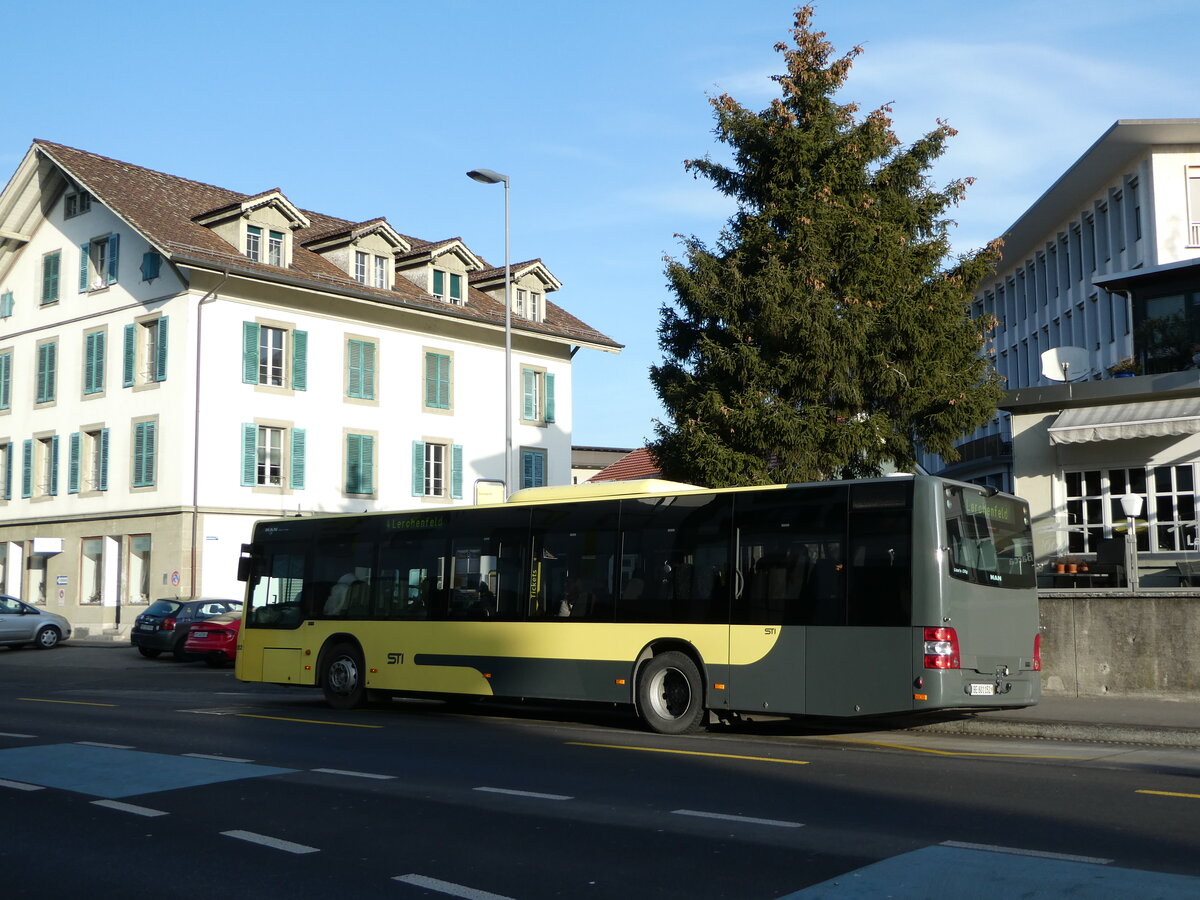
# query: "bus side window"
[879,583]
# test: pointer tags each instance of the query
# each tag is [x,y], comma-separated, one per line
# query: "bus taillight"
[941,648]
[1037,653]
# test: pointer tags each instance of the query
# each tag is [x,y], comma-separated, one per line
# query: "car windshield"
[164,607]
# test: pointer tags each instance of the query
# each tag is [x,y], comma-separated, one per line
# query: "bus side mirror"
[245,568]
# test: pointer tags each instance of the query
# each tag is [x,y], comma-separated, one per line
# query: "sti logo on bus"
[395,659]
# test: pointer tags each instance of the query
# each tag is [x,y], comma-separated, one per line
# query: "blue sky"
[379,108]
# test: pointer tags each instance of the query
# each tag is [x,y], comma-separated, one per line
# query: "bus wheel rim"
[670,693]
[343,676]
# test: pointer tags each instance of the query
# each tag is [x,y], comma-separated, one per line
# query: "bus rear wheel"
[671,694]
[343,677]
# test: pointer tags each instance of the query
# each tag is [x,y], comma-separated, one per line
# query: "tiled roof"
[161,207]
[637,464]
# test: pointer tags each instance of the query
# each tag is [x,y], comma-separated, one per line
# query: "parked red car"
[215,639]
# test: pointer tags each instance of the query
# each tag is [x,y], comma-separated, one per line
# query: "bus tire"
[671,694]
[343,677]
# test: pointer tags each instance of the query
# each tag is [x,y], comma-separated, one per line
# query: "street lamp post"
[487,176]
[1131,505]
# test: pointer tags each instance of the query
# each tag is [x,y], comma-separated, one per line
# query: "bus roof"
[594,490]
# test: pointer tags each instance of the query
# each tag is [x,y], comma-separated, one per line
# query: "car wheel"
[343,677]
[148,652]
[48,638]
[671,694]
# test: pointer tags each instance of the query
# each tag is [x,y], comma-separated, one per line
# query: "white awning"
[1160,418]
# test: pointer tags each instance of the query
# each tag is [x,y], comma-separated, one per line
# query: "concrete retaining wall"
[1123,646]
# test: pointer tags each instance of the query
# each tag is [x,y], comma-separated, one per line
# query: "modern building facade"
[178,360]
[1107,260]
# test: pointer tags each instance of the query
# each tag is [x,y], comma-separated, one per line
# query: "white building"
[1106,260]
[178,360]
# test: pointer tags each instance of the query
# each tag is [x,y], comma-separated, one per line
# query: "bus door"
[789,546]
[859,657]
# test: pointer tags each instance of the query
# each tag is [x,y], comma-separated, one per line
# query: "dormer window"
[371,269]
[439,286]
[528,305]
[254,245]
[381,272]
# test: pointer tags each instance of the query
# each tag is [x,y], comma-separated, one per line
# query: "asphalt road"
[121,776]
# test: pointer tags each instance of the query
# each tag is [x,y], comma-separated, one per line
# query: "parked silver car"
[22,623]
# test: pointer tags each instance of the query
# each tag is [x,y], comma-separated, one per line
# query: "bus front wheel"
[343,678]
[671,694]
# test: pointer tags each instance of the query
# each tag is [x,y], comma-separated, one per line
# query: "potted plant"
[1125,368]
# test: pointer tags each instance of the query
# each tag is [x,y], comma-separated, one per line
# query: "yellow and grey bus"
[849,598]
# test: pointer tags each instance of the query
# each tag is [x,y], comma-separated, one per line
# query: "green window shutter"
[249,454]
[418,469]
[52,480]
[439,282]
[250,353]
[85,251]
[130,358]
[456,471]
[47,371]
[455,287]
[151,265]
[114,248]
[160,351]
[368,370]
[6,304]
[549,397]
[437,380]
[354,369]
[27,469]
[93,363]
[360,464]
[73,453]
[299,447]
[143,454]
[533,469]
[299,360]
[6,487]
[528,395]
[102,475]
[50,265]
[5,380]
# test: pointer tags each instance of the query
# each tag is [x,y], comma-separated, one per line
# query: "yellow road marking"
[845,740]
[791,762]
[1170,794]
[305,721]
[72,702]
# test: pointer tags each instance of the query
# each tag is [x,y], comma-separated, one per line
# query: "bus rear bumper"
[966,689]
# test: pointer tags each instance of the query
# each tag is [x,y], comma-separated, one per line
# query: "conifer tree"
[825,334]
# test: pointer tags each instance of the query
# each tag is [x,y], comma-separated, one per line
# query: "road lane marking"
[1169,794]
[1017,851]
[217,757]
[20,785]
[129,808]
[109,746]
[71,702]
[769,759]
[12,735]
[777,823]
[274,843]
[534,794]
[304,721]
[842,740]
[356,774]
[447,887]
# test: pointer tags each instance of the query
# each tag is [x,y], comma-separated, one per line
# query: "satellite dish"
[1066,364]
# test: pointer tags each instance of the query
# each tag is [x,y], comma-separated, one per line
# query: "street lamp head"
[487,176]
[1131,505]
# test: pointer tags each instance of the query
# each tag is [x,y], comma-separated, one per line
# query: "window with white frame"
[537,395]
[381,272]
[145,352]
[448,286]
[6,477]
[437,469]
[274,355]
[91,571]
[98,260]
[1168,520]
[271,252]
[39,467]
[137,589]
[87,461]
[1193,204]
[361,263]
[273,455]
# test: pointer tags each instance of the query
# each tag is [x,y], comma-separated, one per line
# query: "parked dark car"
[164,625]
[215,639]
[23,623]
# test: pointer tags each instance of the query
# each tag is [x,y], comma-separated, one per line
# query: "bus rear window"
[990,540]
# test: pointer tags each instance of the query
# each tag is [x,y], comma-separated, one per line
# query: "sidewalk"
[1125,720]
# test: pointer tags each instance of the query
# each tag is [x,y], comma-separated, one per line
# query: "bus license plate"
[983,690]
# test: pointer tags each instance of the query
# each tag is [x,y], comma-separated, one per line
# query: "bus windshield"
[990,540]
